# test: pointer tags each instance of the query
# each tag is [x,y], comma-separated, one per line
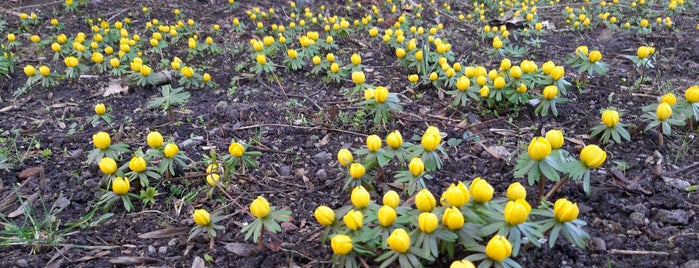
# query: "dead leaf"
[198,262]
[115,87]
[241,249]
[20,210]
[133,260]
[64,104]
[287,226]
[29,172]
[164,233]
[322,142]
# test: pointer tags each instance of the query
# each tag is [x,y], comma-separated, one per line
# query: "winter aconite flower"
[464,263]
[108,166]
[664,111]
[353,219]
[431,139]
[457,195]
[259,207]
[341,244]
[324,215]
[595,56]
[416,167]
[101,140]
[29,70]
[212,179]
[498,248]
[668,98]
[394,139]
[555,138]
[610,118]
[516,212]
[360,197]
[236,149]
[380,94]
[154,139]
[137,164]
[427,222]
[171,150]
[692,94]
[373,143]
[201,217]
[120,186]
[565,211]
[452,218]
[481,190]
[386,215]
[100,109]
[550,92]
[516,191]
[391,199]
[592,156]
[344,157]
[539,148]
[425,201]
[399,240]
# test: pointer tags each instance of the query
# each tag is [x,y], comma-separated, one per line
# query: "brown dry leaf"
[29,172]
[20,210]
[115,87]
[241,249]
[164,233]
[133,260]
[287,226]
[322,142]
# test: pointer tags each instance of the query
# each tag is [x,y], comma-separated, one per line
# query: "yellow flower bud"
[463,263]
[557,73]
[114,62]
[353,219]
[360,197]
[334,67]
[145,70]
[261,59]
[394,139]
[259,207]
[516,212]
[71,61]
[341,244]
[201,217]
[170,150]
[555,138]
[498,248]
[547,67]
[456,195]
[373,143]
[35,38]
[357,170]
[108,166]
[154,139]
[692,94]
[481,190]
[137,164]
[610,118]
[55,47]
[101,140]
[391,199]
[669,98]
[380,94]
[581,50]
[356,59]
[399,240]
[29,70]
[44,70]
[120,186]
[425,201]
[236,149]
[539,148]
[592,156]
[550,92]
[505,64]
[595,56]
[463,83]
[499,82]
[427,222]
[330,57]
[453,219]
[565,211]
[400,53]
[416,167]
[386,215]
[11,37]
[642,52]
[206,77]
[345,157]
[497,43]
[516,191]
[358,77]
[212,179]
[516,72]
[324,215]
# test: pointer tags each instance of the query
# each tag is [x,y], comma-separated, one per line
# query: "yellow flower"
[463,83]
[433,76]
[465,263]
[431,141]
[505,64]
[360,197]
[44,70]
[212,179]
[55,47]
[353,219]
[499,82]
[692,94]
[170,150]
[550,92]
[547,67]
[664,111]
[427,222]
[35,38]
[413,78]
[114,62]
[97,57]
[539,148]
[345,157]
[497,43]
[120,186]
[669,98]
[595,56]
[400,53]
[101,140]
[236,149]
[457,195]
[565,210]
[358,77]
[399,240]
[334,67]
[11,37]
[357,170]
[386,215]
[154,42]
[592,156]
[341,244]
[373,32]
[481,190]
[522,88]
[71,61]
[145,70]
[261,59]
[206,77]
[259,207]
[154,139]
[380,94]
[356,59]
[324,215]
[516,72]
[29,70]
[292,53]
[108,166]
[416,167]
[516,212]
[394,139]
[557,73]
[391,199]
[498,248]
[555,138]
[642,52]
[581,50]
[137,164]
[516,191]
[373,143]
[192,43]
[610,118]
[330,57]
[452,218]
[201,217]
[424,201]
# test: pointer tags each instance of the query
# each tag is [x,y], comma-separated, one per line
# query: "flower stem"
[542,184]
[556,188]
[660,136]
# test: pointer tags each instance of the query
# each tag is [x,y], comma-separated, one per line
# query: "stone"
[676,217]
[162,250]
[321,174]
[638,218]
[151,249]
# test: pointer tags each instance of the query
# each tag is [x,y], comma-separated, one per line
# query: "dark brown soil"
[640,216]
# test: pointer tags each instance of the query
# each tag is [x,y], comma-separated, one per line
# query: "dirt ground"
[639,213]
